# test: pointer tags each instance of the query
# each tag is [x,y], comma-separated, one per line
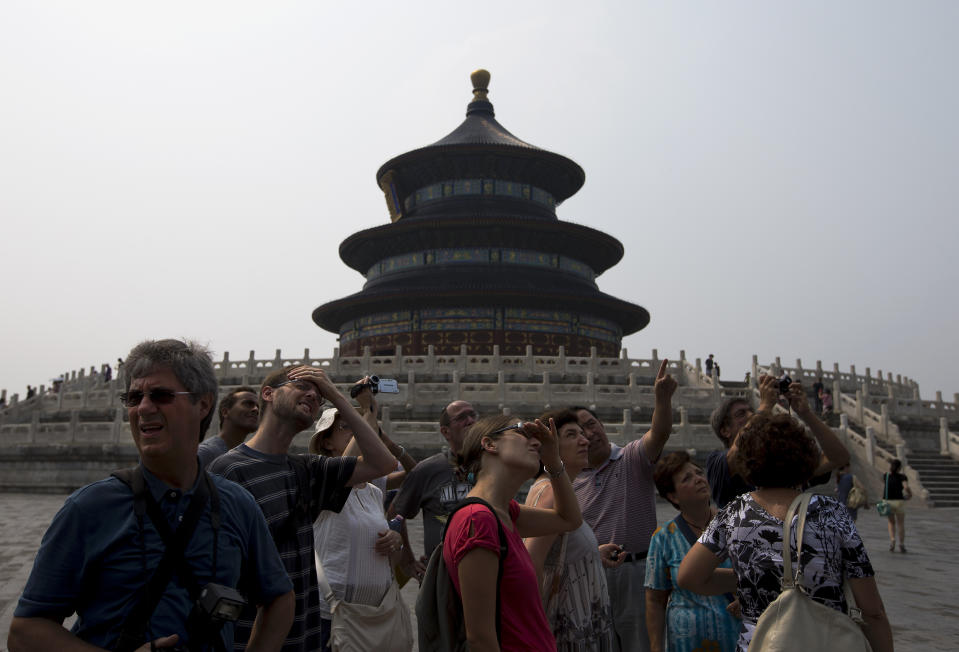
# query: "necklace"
[709,515]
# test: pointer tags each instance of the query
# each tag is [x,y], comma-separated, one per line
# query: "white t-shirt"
[344,544]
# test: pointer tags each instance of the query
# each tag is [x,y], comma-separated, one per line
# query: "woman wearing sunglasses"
[501,454]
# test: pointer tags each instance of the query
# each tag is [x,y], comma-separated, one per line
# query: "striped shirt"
[276,486]
[618,498]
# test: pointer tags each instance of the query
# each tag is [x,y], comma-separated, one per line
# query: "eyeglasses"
[463,416]
[513,426]
[302,385]
[158,396]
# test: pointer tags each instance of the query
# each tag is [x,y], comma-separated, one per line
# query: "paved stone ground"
[918,588]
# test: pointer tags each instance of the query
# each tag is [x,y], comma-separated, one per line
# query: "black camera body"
[216,606]
[784,384]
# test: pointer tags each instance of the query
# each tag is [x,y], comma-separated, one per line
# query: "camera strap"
[175,543]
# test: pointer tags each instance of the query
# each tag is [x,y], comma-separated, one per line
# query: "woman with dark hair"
[501,453]
[570,565]
[778,457]
[895,491]
[678,620]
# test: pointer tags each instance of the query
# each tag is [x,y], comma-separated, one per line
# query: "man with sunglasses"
[436,485]
[100,553]
[616,493]
[292,490]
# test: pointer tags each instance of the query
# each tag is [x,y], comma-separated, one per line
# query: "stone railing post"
[399,360]
[250,377]
[593,361]
[225,365]
[430,359]
[385,420]
[365,365]
[591,389]
[754,371]
[852,372]
[884,421]
[860,413]
[627,425]
[547,392]
[528,362]
[410,389]
[943,436]
[462,359]
[455,386]
[844,429]
[955,399]
[939,409]
[901,455]
[818,369]
[497,358]
[870,446]
[683,372]
[116,428]
[74,424]
[501,388]
[683,420]
[561,362]
[864,388]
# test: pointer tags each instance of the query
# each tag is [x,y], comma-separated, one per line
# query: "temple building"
[474,254]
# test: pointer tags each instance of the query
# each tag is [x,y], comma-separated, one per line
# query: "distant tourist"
[239,416]
[817,390]
[107,372]
[709,365]
[31,391]
[895,492]
[827,405]
[103,546]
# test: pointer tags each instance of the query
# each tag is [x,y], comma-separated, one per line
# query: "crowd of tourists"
[234,543]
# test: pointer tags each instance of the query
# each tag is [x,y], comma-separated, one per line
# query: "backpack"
[439,610]
[856,497]
[794,621]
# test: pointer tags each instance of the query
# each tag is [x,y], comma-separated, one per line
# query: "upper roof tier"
[480,149]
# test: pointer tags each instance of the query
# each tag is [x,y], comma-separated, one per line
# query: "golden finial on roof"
[480,79]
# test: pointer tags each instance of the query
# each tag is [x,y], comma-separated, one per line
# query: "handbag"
[883,505]
[386,627]
[794,621]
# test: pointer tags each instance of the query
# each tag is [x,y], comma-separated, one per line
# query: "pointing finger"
[662,369]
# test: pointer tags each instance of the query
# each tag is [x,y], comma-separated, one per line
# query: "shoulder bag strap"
[799,505]
[503,550]
[135,624]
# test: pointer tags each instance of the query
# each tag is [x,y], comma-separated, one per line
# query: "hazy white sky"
[784,178]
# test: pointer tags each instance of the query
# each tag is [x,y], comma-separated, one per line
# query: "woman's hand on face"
[611,555]
[548,441]
[388,541]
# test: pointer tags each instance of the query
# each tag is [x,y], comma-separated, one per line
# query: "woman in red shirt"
[501,454]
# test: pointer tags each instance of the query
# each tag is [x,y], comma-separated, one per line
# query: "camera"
[376,385]
[216,606]
[784,384]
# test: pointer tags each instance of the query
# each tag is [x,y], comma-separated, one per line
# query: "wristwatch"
[558,472]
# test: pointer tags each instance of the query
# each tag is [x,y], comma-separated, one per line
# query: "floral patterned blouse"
[751,538]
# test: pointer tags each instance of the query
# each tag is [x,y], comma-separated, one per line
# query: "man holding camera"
[292,490]
[729,419]
[150,558]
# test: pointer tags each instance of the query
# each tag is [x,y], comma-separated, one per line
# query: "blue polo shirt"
[92,560]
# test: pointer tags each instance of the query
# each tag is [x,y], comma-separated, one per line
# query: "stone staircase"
[940,477]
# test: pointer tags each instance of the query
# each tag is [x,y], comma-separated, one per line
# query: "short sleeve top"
[523,621]
[751,539]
